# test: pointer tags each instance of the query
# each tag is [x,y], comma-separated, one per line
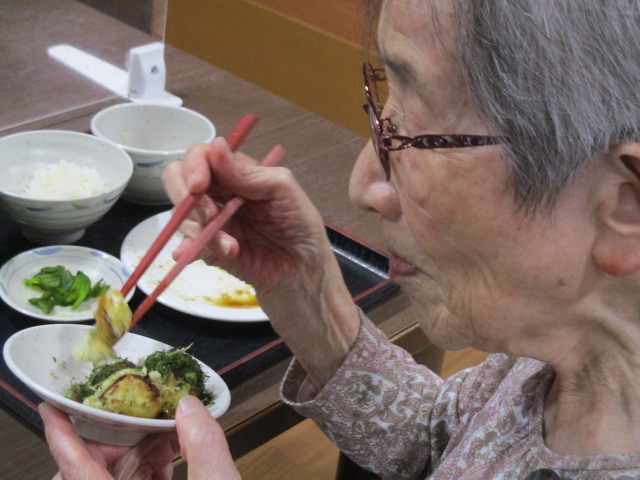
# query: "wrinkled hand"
[277,242]
[276,236]
[199,438]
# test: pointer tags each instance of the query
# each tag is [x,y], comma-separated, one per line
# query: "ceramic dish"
[59,220]
[194,290]
[153,136]
[93,263]
[41,358]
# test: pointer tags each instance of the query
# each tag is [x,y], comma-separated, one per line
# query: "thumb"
[234,172]
[202,442]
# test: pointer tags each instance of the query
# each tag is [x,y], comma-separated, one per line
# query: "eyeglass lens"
[374,109]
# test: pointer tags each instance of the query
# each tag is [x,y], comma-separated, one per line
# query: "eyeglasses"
[383,129]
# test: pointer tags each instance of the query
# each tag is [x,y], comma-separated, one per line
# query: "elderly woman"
[505,171]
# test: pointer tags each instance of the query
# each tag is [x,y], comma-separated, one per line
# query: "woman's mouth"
[399,266]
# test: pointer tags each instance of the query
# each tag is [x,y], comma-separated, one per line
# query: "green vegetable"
[181,368]
[80,289]
[79,391]
[149,391]
[104,371]
[61,287]
[99,288]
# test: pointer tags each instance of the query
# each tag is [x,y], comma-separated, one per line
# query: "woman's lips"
[398,266]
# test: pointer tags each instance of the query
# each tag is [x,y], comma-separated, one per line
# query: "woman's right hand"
[276,236]
[277,242]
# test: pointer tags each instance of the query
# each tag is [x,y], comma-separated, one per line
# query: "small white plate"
[93,263]
[41,357]
[192,291]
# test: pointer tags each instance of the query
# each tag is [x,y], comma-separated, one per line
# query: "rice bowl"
[49,221]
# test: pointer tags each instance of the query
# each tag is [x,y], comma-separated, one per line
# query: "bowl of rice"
[56,183]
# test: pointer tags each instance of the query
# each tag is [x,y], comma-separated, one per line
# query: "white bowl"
[93,263]
[153,136]
[41,357]
[58,221]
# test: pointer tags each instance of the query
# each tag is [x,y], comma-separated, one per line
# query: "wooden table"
[36,92]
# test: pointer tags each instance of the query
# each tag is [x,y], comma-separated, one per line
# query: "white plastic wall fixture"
[143,83]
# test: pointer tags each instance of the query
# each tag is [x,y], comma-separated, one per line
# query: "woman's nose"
[368,187]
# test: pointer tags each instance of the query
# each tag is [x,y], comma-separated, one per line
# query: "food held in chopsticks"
[60,287]
[113,319]
[149,390]
[117,319]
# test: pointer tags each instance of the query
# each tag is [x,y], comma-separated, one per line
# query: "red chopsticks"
[237,136]
[240,132]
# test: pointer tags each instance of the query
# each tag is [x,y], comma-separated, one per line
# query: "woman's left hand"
[151,459]
[199,438]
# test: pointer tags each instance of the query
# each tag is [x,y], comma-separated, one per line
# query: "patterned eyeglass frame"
[382,141]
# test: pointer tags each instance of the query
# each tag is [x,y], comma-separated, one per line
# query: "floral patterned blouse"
[402,421]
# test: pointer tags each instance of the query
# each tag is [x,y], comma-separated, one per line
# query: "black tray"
[237,351]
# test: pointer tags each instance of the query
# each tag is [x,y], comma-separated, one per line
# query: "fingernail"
[201,214]
[188,405]
[224,146]
[225,246]
[192,179]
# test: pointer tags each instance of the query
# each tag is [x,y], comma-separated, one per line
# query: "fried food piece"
[149,390]
[113,319]
[128,392]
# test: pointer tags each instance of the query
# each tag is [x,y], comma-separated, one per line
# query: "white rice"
[63,181]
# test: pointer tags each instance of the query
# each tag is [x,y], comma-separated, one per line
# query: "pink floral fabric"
[402,421]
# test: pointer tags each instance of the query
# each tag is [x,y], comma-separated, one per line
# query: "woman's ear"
[617,246]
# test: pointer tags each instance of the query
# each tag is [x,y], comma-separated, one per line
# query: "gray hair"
[559,78]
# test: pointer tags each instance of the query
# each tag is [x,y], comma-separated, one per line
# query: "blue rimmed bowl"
[153,136]
[97,265]
[57,221]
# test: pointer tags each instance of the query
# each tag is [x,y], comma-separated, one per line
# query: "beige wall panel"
[312,67]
